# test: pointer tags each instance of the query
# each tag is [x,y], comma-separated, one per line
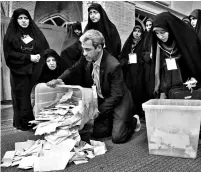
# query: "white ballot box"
[173,126]
[78,99]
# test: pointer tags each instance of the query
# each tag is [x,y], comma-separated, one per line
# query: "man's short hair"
[95,36]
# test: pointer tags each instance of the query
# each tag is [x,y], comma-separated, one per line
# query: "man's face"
[137,33]
[23,21]
[148,25]
[90,52]
[193,21]
[94,15]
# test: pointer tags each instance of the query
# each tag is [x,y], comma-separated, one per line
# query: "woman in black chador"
[98,20]
[148,78]
[176,51]
[195,19]
[132,65]
[23,45]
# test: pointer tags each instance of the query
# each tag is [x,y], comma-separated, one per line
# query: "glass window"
[56,20]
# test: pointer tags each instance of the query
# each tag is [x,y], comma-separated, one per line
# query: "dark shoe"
[28,127]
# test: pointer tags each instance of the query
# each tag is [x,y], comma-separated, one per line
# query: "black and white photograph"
[100,86]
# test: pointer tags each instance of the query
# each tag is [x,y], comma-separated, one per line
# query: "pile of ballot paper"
[59,123]
[44,156]
[162,140]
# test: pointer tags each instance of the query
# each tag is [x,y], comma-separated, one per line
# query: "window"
[56,20]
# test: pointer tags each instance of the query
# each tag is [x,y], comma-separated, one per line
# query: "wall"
[185,7]
[28,5]
[70,10]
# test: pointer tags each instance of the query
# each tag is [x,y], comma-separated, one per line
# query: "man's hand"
[55,82]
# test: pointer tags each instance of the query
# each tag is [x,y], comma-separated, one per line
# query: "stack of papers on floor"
[43,156]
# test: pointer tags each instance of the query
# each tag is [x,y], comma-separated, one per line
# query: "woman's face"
[162,34]
[193,21]
[148,25]
[51,63]
[23,21]
[77,32]
[137,33]
[94,15]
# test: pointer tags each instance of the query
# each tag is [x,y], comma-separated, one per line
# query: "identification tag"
[27,39]
[132,58]
[171,64]
[94,91]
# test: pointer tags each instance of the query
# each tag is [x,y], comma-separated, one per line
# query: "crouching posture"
[102,70]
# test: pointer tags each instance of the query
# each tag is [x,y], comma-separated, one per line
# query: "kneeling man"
[115,103]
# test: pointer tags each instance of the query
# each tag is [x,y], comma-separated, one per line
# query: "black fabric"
[71,36]
[187,21]
[197,14]
[182,92]
[186,41]
[107,28]
[17,57]
[149,67]
[133,73]
[47,74]
[70,56]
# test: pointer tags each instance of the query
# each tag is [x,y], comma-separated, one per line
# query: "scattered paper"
[8,158]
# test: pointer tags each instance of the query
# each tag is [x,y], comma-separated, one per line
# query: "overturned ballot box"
[62,111]
[173,126]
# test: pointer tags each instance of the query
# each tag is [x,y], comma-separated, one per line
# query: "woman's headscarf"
[48,74]
[187,20]
[14,31]
[107,28]
[12,43]
[186,40]
[197,14]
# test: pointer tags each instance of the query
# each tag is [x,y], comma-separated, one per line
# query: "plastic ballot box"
[83,98]
[173,126]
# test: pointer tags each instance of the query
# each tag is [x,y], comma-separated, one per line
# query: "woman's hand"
[35,58]
[191,83]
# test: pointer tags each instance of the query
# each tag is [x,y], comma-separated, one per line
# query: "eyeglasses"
[27,48]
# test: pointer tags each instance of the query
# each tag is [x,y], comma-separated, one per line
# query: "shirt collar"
[98,61]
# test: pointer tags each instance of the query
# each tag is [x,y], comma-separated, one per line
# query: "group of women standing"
[145,57]
[166,55]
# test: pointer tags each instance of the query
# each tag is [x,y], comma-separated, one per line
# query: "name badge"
[26,39]
[132,58]
[94,91]
[171,64]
